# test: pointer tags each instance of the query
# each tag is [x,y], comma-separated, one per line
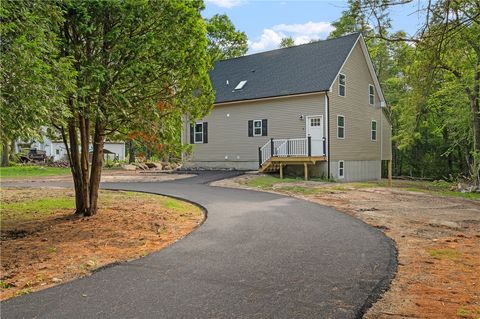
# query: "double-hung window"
[342,82]
[340,126]
[374,131]
[371,94]
[199,133]
[257,128]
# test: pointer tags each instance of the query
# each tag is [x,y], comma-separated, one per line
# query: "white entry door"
[315,131]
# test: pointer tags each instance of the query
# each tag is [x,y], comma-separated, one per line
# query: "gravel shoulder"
[437,237]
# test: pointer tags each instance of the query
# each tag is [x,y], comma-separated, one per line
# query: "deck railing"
[289,147]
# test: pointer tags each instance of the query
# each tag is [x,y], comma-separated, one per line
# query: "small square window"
[342,82]
[315,121]
[257,128]
[198,133]
[57,151]
[374,131]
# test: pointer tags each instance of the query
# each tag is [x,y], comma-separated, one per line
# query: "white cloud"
[302,39]
[268,40]
[227,3]
[305,28]
[301,34]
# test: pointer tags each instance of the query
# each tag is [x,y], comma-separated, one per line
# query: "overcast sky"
[267,22]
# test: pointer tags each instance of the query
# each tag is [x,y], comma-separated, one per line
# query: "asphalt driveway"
[258,255]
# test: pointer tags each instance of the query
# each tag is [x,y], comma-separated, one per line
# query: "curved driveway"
[258,255]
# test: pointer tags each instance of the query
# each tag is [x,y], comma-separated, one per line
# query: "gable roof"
[301,69]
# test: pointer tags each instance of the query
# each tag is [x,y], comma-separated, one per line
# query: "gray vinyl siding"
[228,135]
[387,139]
[357,170]
[357,144]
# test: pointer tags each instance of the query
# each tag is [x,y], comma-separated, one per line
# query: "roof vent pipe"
[226,83]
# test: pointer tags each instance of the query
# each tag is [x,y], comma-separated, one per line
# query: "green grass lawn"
[36,207]
[29,171]
[26,204]
[437,188]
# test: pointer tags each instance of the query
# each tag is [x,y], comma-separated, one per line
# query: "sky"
[267,22]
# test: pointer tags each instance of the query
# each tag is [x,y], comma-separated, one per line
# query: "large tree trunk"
[5,159]
[476,122]
[84,127]
[474,105]
[97,162]
[131,152]
[82,205]
[13,151]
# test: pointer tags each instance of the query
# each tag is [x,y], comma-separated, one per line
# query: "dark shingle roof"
[300,69]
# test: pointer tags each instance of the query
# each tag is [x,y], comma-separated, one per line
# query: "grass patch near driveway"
[268,182]
[32,209]
[43,243]
[444,253]
[30,171]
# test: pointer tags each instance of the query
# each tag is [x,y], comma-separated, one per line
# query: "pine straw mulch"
[42,247]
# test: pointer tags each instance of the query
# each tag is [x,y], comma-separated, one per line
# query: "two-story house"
[317,105]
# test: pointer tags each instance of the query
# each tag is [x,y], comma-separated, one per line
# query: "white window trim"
[343,169]
[376,131]
[341,138]
[261,128]
[195,133]
[369,95]
[344,85]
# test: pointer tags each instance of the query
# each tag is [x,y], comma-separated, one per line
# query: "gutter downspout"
[327,124]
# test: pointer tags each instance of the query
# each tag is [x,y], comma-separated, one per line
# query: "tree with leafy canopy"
[224,40]
[427,77]
[286,42]
[136,63]
[33,77]
[447,42]
[352,20]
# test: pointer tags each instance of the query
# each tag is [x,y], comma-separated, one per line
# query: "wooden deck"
[277,163]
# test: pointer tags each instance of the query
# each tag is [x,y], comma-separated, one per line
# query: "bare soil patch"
[43,243]
[437,237]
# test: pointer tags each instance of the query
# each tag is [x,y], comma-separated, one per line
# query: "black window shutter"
[264,128]
[205,132]
[192,141]
[250,128]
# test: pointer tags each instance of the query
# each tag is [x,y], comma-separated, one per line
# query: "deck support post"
[389,162]
[305,168]
[272,150]
[324,141]
[259,157]
[281,170]
[309,146]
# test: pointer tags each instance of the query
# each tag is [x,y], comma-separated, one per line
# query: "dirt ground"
[41,248]
[438,242]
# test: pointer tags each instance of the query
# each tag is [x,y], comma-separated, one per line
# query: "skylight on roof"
[240,85]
